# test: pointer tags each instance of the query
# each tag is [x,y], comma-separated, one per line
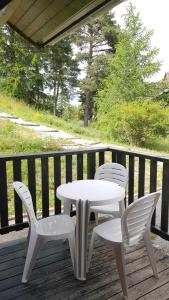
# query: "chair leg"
[120,261]
[121,208]
[90,250]
[150,251]
[27,243]
[35,243]
[72,249]
[96,218]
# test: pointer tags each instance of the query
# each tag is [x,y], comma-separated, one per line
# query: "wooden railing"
[147,174]
[44,172]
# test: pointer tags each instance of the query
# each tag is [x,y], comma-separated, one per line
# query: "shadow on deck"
[52,276]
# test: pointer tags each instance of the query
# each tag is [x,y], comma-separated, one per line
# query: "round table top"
[98,192]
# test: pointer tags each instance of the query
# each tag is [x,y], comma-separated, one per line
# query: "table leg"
[82,213]
[67,207]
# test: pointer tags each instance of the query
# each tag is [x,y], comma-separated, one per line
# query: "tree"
[95,41]
[20,67]
[61,73]
[28,72]
[132,66]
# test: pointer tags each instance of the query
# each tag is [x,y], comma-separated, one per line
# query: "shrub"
[137,122]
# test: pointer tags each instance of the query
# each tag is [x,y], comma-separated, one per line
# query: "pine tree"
[95,41]
[132,66]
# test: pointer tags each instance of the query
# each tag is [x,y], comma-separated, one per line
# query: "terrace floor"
[52,276]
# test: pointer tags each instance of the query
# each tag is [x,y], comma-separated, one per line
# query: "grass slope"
[20,109]
[15,139]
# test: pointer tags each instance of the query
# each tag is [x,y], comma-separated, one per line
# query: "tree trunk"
[55,96]
[86,109]
[88,93]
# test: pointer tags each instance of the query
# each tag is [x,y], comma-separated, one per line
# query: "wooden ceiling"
[47,21]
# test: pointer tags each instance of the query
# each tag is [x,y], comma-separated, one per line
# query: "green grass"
[15,139]
[20,109]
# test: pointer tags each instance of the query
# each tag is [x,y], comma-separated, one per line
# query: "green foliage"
[71,113]
[95,41]
[61,73]
[28,72]
[20,67]
[132,66]
[137,123]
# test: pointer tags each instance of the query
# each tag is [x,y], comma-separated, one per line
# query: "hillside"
[29,141]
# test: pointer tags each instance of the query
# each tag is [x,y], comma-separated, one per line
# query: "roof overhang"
[45,22]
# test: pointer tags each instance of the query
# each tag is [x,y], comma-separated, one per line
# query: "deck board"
[52,276]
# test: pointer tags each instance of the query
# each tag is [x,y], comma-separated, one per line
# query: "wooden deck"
[52,276]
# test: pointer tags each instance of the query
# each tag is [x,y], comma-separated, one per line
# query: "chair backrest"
[112,172]
[137,217]
[25,196]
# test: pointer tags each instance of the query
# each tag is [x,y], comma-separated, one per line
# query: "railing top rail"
[140,154]
[51,154]
[85,151]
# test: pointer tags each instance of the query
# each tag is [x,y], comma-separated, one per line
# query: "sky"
[154,15]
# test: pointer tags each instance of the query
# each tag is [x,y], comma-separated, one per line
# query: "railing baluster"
[57,182]
[121,158]
[91,165]
[165,197]
[153,184]
[32,180]
[68,168]
[79,166]
[141,177]
[131,180]
[18,204]
[114,156]
[91,168]
[45,186]
[101,158]
[3,195]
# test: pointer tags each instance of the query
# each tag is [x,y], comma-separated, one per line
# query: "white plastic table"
[86,193]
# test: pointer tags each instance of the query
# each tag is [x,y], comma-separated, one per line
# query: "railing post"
[18,204]
[141,177]
[3,195]
[165,197]
[32,180]
[57,182]
[153,184]
[131,180]
[91,168]
[121,158]
[45,186]
[79,166]
[114,156]
[101,158]
[91,165]
[68,168]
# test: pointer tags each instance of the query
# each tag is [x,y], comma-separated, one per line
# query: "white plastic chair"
[41,231]
[116,173]
[132,227]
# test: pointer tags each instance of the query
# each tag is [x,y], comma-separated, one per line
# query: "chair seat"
[105,209]
[110,230]
[55,225]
